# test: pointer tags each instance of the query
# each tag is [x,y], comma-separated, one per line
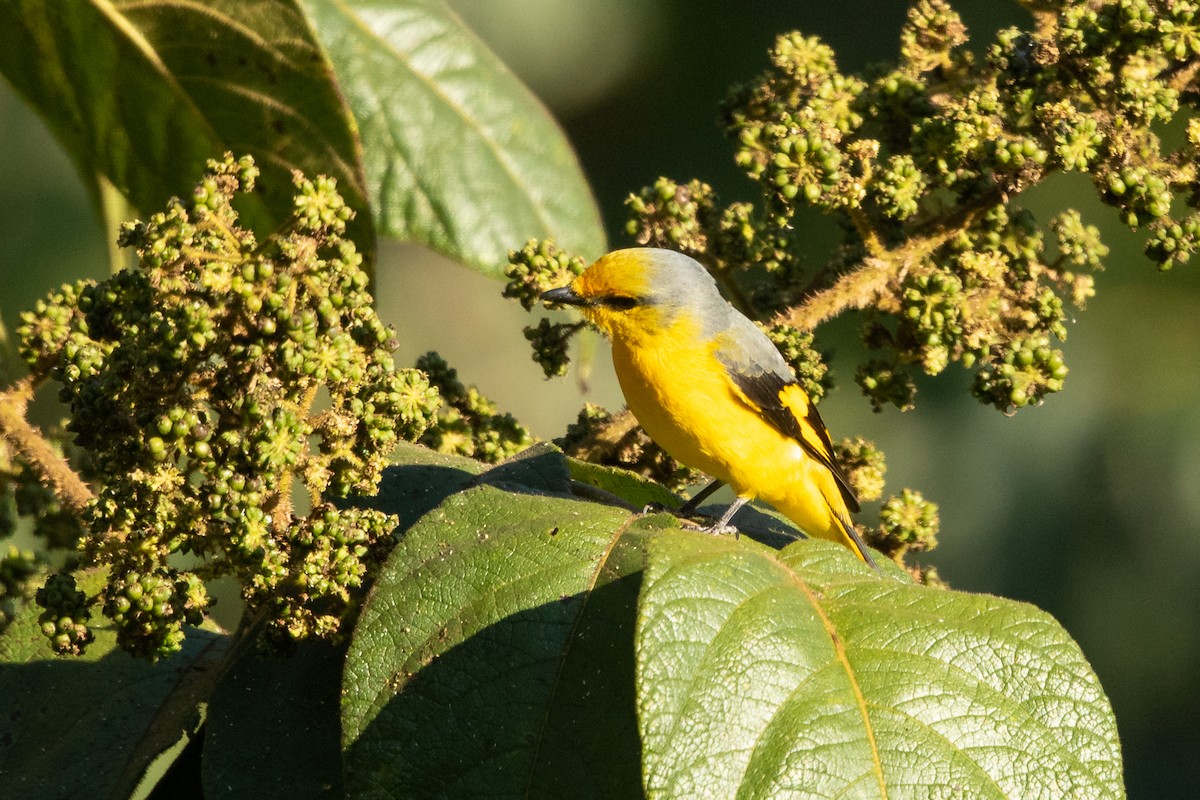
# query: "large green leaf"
[802,673]
[417,481]
[92,726]
[142,92]
[629,486]
[272,729]
[494,656]
[460,156]
[514,632]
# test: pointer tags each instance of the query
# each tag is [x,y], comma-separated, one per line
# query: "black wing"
[784,404]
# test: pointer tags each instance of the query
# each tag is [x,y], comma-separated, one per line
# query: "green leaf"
[495,654]
[542,467]
[92,726]
[420,478]
[143,92]
[639,492]
[417,481]
[804,673]
[272,729]
[460,156]
[761,523]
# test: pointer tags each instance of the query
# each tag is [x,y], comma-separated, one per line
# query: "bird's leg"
[722,525]
[690,506]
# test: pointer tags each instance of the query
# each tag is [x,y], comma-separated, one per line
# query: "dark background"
[1088,507]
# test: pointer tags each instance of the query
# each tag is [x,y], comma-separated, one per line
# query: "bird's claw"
[715,530]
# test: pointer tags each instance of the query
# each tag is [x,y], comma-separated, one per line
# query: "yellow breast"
[684,399]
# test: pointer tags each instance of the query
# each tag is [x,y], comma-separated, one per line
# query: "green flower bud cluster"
[329,554]
[617,440]
[1020,373]
[930,320]
[688,218]
[907,522]
[963,147]
[807,362]
[550,342]
[885,383]
[150,609]
[16,565]
[538,267]
[793,127]
[67,611]
[1125,55]
[990,292]
[864,465]
[933,38]
[899,187]
[1179,30]
[468,423]
[671,215]
[534,269]
[1077,138]
[1013,155]
[1079,244]
[192,383]
[1120,49]
[1174,242]
[319,208]
[1141,194]
[17,568]
[44,332]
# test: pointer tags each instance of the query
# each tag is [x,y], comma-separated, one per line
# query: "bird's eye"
[619,302]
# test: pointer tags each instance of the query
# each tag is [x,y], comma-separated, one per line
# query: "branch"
[1181,80]
[280,505]
[862,287]
[34,448]
[868,283]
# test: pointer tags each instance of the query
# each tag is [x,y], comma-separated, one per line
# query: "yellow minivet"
[709,387]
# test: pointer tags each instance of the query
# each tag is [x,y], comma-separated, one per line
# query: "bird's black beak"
[564,295]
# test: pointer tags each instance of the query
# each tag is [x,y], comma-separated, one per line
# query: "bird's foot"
[715,530]
[718,528]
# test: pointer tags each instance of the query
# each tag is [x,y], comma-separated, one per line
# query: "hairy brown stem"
[865,232]
[280,506]
[869,283]
[1182,80]
[33,447]
[858,289]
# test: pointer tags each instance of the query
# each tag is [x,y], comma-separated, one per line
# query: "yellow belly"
[685,401]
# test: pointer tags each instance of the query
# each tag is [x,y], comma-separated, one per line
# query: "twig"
[868,283]
[862,287]
[29,442]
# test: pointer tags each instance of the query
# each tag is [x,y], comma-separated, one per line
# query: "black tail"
[856,542]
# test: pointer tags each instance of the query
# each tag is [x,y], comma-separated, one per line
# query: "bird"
[709,387]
